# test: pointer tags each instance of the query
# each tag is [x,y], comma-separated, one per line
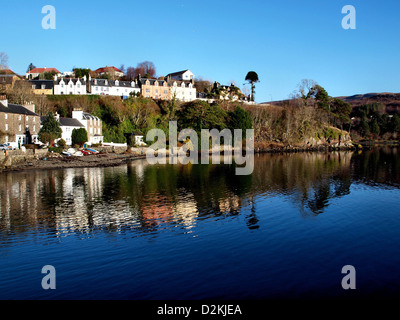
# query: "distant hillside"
[390,100]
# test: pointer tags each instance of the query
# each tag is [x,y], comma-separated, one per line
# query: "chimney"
[30,106]
[4,101]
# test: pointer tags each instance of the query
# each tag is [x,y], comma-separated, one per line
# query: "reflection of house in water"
[19,200]
[185,209]
[230,204]
[156,209]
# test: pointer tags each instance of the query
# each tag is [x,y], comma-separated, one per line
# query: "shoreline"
[110,159]
[104,160]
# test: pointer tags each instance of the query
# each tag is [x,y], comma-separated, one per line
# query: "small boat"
[86,153]
[92,150]
[65,153]
[78,154]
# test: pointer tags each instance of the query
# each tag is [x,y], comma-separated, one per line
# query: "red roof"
[41,70]
[7,71]
[106,69]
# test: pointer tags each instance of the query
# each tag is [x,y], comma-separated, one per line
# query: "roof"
[41,70]
[177,73]
[66,122]
[112,83]
[16,109]
[7,71]
[49,84]
[70,122]
[88,116]
[68,80]
[106,69]
[152,81]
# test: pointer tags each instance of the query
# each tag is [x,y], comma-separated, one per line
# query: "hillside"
[390,100]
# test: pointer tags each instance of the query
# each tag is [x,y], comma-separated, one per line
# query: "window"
[34,119]
[6,116]
[147,90]
[20,128]
[6,127]
[27,118]
[34,128]
[62,85]
[19,118]
[33,87]
[43,86]
[78,85]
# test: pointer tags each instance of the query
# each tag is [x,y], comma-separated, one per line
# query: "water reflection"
[146,198]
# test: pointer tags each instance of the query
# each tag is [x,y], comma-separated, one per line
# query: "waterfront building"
[19,124]
[92,124]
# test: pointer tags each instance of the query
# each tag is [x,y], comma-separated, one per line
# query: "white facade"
[183,91]
[67,86]
[186,75]
[92,124]
[114,88]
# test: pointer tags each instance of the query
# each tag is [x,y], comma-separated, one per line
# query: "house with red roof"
[34,73]
[112,71]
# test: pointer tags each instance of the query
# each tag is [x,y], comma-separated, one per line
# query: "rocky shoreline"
[58,161]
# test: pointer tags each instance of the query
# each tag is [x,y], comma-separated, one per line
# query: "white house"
[183,90]
[115,88]
[92,124]
[185,75]
[36,72]
[65,86]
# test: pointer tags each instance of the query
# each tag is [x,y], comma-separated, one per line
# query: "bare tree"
[3,61]
[305,90]
[21,92]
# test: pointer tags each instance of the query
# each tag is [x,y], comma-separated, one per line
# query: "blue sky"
[284,41]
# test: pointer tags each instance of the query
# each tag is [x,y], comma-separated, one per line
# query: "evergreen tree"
[240,119]
[79,137]
[50,130]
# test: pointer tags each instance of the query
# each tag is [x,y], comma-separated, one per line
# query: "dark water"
[200,232]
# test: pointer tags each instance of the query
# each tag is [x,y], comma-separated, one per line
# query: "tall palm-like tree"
[252,78]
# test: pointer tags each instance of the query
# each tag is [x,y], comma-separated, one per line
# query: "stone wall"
[11,157]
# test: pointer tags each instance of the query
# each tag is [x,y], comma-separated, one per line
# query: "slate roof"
[16,109]
[67,122]
[49,84]
[68,80]
[152,81]
[179,73]
[70,122]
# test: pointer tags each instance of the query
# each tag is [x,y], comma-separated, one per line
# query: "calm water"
[200,232]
